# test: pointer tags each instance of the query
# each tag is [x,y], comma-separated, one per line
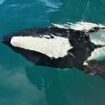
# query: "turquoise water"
[22,83]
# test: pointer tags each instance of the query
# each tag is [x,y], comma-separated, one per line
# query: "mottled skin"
[82,49]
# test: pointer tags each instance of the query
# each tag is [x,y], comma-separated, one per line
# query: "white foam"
[62,26]
[81,26]
[85,26]
[55,47]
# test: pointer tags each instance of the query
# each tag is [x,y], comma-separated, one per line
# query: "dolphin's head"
[7,40]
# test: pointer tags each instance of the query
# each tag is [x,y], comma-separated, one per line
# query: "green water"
[22,83]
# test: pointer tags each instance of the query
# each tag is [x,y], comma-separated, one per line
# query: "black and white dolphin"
[60,46]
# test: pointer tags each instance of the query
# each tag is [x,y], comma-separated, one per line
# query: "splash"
[80,26]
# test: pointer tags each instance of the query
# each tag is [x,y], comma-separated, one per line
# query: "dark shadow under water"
[67,87]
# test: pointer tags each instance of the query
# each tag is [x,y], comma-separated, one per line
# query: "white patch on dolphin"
[96,54]
[98,37]
[53,47]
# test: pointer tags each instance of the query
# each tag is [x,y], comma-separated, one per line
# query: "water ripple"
[51,4]
[2,1]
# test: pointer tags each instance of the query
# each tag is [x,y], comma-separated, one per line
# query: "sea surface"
[21,82]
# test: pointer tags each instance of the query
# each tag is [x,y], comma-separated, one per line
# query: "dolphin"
[59,46]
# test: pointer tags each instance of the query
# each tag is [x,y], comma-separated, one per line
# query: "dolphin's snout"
[6,40]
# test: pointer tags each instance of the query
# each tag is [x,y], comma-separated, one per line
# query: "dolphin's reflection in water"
[48,79]
[67,87]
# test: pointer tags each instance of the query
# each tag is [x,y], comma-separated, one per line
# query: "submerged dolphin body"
[60,46]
